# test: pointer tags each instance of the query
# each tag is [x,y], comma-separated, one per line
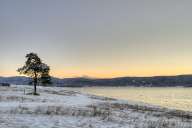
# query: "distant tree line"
[159,81]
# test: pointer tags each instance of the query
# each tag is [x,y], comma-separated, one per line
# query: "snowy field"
[62,108]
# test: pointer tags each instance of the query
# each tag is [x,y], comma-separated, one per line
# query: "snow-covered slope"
[62,108]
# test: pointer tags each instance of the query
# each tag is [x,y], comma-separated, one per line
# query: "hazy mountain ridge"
[180,80]
[15,80]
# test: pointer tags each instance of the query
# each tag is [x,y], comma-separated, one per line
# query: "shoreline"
[97,111]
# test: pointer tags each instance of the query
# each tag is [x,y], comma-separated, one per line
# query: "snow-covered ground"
[61,108]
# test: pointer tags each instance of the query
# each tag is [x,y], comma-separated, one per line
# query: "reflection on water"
[172,97]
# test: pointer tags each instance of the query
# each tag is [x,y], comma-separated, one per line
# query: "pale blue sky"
[99,38]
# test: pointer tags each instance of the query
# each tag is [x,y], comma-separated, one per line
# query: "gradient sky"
[98,38]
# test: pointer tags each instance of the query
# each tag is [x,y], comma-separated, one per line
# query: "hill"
[156,81]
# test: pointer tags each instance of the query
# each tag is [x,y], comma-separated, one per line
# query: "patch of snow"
[60,108]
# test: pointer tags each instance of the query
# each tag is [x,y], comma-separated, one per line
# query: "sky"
[98,38]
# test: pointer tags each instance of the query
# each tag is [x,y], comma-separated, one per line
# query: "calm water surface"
[171,97]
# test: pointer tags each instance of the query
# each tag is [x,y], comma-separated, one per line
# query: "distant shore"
[155,81]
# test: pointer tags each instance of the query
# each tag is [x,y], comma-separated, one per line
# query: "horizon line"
[104,77]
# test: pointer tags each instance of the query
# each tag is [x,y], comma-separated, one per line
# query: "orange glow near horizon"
[116,74]
[111,74]
[110,71]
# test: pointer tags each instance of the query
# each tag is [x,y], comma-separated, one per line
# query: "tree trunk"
[35,84]
[35,89]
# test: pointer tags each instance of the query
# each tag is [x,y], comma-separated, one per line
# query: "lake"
[171,97]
